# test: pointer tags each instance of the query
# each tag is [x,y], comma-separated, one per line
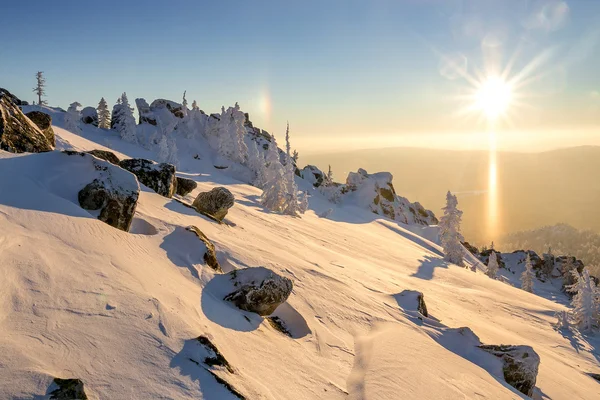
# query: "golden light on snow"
[493,97]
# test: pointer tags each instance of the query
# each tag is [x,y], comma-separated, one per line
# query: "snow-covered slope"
[121,311]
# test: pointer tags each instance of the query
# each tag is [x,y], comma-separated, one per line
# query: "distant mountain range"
[534,189]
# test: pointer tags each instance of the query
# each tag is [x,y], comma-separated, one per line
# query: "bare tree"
[40,88]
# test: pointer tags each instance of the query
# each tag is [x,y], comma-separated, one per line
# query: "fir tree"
[256,163]
[562,320]
[329,175]
[123,120]
[103,115]
[492,267]
[40,87]
[291,207]
[303,207]
[274,191]
[72,118]
[586,305]
[450,235]
[295,156]
[527,276]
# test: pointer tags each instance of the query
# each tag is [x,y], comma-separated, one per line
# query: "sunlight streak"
[492,209]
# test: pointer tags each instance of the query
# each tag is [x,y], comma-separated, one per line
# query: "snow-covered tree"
[275,190]
[303,203]
[72,118]
[562,320]
[492,267]
[450,235]
[184,104]
[256,163]
[230,132]
[291,207]
[586,302]
[123,121]
[40,87]
[167,151]
[103,115]
[567,268]
[527,276]
[195,105]
[295,156]
[329,177]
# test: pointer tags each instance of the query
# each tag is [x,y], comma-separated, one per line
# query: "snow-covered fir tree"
[303,203]
[527,276]
[123,121]
[230,132]
[586,302]
[295,156]
[167,151]
[72,118]
[103,114]
[291,207]
[492,267]
[195,105]
[562,320]
[329,177]
[40,87]
[256,163]
[450,235]
[274,191]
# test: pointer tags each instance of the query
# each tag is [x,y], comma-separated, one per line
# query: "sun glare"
[493,97]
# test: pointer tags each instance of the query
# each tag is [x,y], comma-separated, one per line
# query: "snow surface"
[121,311]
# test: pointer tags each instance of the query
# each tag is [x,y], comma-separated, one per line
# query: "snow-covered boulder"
[44,122]
[12,98]
[89,116]
[376,192]
[215,203]
[175,108]
[185,186]
[258,290]
[313,175]
[105,155]
[521,365]
[158,177]
[210,256]
[146,116]
[18,134]
[67,389]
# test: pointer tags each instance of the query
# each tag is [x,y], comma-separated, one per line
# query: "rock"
[114,193]
[105,155]
[89,116]
[210,257]
[472,249]
[214,356]
[185,186]
[259,290]
[313,175]
[18,134]
[485,256]
[521,365]
[68,389]
[12,98]
[411,300]
[175,108]
[44,122]
[146,115]
[158,177]
[215,203]
[376,192]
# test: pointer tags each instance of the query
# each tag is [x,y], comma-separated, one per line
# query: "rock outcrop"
[12,98]
[210,256]
[521,365]
[185,186]
[105,155]
[376,192]
[89,116]
[158,177]
[259,290]
[145,113]
[68,389]
[44,122]
[18,134]
[215,203]
[313,175]
[114,194]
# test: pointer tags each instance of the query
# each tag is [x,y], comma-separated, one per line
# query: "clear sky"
[344,73]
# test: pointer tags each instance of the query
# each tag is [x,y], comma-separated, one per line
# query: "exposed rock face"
[18,134]
[89,116]
[485,257]
[210,257]
[12,98]
[105,155]
[185,186]
[313,174]
[521,365]
[158,177]
[376,192]
[114,193]
[259,290]
[216,203]
[145,112]
[411,300]
[44,122]
[175,108]
[68,389]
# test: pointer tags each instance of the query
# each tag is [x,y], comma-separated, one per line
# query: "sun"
[493,97]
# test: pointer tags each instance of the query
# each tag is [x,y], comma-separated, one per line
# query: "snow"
[121,311]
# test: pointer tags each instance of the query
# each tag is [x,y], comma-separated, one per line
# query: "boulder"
[185,186]
[521,365]
[215,203]
[105,155]
[18,134]
[312,174]
[145,113]
[259,290]
[68,389]
[210,257]
[44,122]
[89,116]
[158,177]
[412,300]
[12,98]
[175,108]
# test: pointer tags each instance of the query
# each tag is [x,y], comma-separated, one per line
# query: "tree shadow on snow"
[427,268]
[415,238]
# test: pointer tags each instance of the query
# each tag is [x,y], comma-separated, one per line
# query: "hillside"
[122,310]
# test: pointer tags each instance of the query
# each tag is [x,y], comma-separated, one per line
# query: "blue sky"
[335,69]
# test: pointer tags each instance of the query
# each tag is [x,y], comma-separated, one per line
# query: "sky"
[345,74]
